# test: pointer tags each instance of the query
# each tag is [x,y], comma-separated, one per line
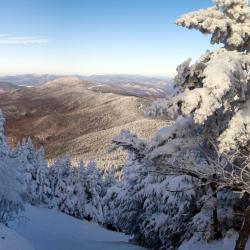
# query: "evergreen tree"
[43,193]
[12,186]
[145,203]
[80,190]
[94,190]
[61,174]
[228,22]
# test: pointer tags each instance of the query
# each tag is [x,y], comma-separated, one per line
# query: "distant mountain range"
[124,81]
[121,79]
[28,79]
[129,85]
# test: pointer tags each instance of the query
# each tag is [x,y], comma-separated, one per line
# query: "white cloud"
[9,39]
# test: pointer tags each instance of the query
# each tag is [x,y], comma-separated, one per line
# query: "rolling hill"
[66,116]
[135,85]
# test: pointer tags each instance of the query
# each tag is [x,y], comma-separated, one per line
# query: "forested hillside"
[68,118]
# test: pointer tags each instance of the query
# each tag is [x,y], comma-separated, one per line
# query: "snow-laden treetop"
[213,94]
[2,120]
[228,22]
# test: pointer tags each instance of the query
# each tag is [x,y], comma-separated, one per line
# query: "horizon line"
[88,75]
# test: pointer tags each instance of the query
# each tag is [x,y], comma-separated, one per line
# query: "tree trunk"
[216,227]
[244,232]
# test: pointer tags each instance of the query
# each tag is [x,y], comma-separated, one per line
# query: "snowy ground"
[226,244]
[10,240]
[51,230]
[44,229]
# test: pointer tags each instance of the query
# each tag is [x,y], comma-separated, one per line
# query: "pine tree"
[12,188]
[61,174]
[145,207]
[42,191]
[80,190]
[94,190]
[3,143]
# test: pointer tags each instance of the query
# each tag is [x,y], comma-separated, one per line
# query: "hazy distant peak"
[65,80]
[28,79]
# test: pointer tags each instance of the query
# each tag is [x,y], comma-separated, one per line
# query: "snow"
[227,21]
[51,230]
[10,240]
[226,244]
[41,228]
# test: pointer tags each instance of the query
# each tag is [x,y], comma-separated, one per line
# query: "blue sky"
[97,36]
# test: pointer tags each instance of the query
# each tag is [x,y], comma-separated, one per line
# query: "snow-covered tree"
[205,150]
[42,191]
[77,191]
[109,177]
[80,179]
[26,155]
[228,22]
[3,143]
[36,172]
[61,179]
[146,205]
[12,186]
[94,191]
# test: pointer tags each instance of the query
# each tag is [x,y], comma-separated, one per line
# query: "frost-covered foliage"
[62,185]
[161,211]
[94,190]
[214,95]
[77,191]
[35,170]
[157,108]
[11,181]
[228,22]
[139,205]
[181,183]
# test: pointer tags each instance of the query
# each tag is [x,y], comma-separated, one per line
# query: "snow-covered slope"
[10,240]
[52,230]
